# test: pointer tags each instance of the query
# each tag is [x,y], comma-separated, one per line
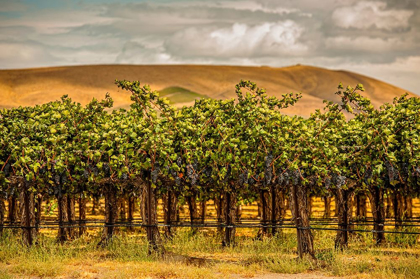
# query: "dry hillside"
[182,83]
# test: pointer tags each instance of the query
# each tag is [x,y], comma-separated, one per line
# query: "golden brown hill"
[183,83]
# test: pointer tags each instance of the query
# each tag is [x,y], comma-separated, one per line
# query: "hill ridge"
[83,82]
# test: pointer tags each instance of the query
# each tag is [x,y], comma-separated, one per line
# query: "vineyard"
[61,156]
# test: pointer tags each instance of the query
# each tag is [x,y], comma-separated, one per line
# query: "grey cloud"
[239,40]
[367,14]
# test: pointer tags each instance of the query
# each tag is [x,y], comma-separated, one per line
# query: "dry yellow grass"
[82,83]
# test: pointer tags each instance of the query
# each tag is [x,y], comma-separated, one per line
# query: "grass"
[202,256]
[180,95]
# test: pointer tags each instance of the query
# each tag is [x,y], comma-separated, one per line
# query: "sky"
[380,39]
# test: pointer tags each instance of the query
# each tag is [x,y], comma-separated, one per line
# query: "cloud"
[238,40]
[252,6]
[24,55]
[137,53]
[367,44]
[366,36]
[371,14]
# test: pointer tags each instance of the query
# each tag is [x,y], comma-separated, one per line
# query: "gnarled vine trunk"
[149,217]
[343,203]
[62,219]
[96,204]
[299,205]
[230,218]
[361,207]
[264,213]
[219,205]
[111,212]
[170,203]
[71,217]
[131,210]
[38,211]
[203,211]
[122,209]
[378,211]
[274,209]
[193,209]
[27,211]
[12,210]
[82,214]
[408,206]
[398,206]
[327,206]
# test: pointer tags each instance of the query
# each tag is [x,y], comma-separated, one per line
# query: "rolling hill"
[181,84]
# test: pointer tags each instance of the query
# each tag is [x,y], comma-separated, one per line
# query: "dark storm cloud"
[378,38]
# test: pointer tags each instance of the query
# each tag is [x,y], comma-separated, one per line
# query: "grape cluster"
[268,172]
[63,178]
[417,171]
[284,178]
[155,173]
[86,174]
[312,181]
[327,183]
[57,179]
[251,181]
[7,168]
[405,171]
[295,177]
[393,173]
[268,160]
[189,171]
[338,180]
[106,169]
[243,178]
[228,172]
[368,175]
[194,179]
[179,161]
